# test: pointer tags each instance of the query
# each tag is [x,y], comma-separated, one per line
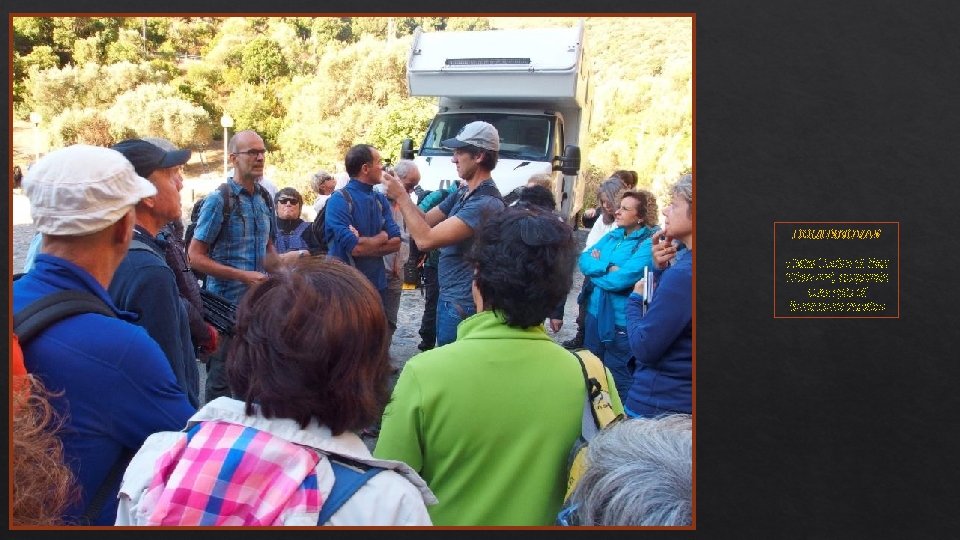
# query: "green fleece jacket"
[488,421]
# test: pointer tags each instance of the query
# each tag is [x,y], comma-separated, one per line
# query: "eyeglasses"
[288,201]
[252,153]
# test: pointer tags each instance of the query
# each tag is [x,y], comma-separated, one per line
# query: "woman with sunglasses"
[294,236]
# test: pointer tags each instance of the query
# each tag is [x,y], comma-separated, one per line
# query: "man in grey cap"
[112,382]
[144,283]
[451,225]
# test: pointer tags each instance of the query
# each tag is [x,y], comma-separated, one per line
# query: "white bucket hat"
[82,189]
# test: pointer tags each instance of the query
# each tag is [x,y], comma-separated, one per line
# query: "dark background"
[809,111]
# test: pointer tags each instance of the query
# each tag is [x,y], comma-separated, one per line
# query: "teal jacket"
[630,254]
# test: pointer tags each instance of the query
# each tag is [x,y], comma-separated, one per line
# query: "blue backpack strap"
[347,479]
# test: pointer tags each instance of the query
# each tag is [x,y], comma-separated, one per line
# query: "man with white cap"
[114,383]
[144,283]
[451,225]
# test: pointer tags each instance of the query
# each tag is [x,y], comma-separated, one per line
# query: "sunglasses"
[287,201]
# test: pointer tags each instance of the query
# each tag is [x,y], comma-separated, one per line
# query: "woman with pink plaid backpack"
[309,367]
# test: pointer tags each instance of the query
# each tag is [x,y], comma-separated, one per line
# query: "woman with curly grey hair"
[639,473]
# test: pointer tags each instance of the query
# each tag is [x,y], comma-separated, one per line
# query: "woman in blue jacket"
[662,339]
[614,264]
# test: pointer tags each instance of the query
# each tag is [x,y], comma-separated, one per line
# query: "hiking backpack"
[319,228]
[598,413]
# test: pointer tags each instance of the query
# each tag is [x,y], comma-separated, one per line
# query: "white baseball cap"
[479,134]
[82,189]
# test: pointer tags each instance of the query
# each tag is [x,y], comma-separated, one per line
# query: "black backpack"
[230,201]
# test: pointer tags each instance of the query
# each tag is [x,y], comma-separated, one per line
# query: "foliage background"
[314,86]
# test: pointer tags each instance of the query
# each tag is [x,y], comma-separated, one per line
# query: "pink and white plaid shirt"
[230,474]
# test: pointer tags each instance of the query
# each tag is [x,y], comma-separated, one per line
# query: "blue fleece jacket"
[117,386]
[368,217]
[662,343]
[145,285]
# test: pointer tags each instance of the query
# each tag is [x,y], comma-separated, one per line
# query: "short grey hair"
[684,188]
[404,167]
[639,473]
[319,178]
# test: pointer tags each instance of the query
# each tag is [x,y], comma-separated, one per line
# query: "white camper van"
[528,83]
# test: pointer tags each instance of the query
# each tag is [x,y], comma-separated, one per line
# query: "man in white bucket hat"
[113,384]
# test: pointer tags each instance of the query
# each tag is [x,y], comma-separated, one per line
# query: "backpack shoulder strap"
[40,314]
[347,197]
[140,245]
[107,487]
[489,190]
[348,477]
[597,402]
[265,195]
[228,196]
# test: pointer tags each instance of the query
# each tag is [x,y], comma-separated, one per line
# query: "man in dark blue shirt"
[362,230]
[143,283]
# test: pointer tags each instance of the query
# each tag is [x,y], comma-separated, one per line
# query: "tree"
[263,61]
[86,50]
[326,29]
[41,57]
[127,48]
[403,118]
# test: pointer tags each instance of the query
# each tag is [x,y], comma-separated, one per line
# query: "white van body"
[528,83]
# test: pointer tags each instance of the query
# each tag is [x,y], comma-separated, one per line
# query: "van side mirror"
[569,162]
[406,149]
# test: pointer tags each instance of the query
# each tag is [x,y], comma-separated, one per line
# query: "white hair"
[639,473]
[319,178]
[404,167]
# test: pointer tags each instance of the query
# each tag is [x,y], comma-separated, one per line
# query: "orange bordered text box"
[836,269]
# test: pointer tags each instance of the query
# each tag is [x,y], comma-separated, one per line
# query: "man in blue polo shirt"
[452,224]
[113,384]
[362,230]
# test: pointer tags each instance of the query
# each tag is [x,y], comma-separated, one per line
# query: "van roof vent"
[486,61]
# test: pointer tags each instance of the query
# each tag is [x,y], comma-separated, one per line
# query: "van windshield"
[522,136]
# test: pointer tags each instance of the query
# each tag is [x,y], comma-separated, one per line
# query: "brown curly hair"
[43,485]
[646,205]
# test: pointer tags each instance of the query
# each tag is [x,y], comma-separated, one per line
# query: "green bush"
[82,126]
